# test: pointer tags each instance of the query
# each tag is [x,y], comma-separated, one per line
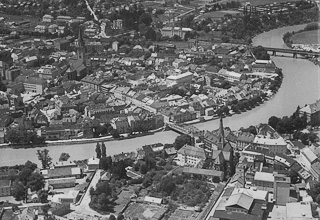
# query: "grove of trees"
[27,179]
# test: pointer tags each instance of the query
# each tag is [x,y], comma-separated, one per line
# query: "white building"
[308,157]
[180,78]
[277,145]
[230,75]
[171,31]
[47,18]
[190,156]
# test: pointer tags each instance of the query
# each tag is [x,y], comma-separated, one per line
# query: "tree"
[318,199]
[3,87]
[143,168]
[18,191]
[43,196]
[36,181]
[105,163]
[98,150]
[103,150]
[115,133]
[216,179]
[166,185]
[145,19]
[315,190]
[64,157]
[150,34]
[295,178]
[182,140]
[120,217]
[112,217]
[30,165]
[26,179]
[43,156]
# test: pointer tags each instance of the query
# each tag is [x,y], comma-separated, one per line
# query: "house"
[230,75]
[281,189]
[149,199]
[61,44]
[63,19]
[28,213]
[5,187]
[62,172]
[299,210]
[190,156]
[62,182]
[315,171]
[170,151]
[115,46]
[40,28]
[77,70]
[312,111]
[121,124]
[177,63]
[32,84]
[117,24]
[275,145]
[12,73]
[49,72]
[180,78]
[308,158]
[171,31]
[64,164]
[266,66]
[47,18]
[3,69]
[92,82]
[52,28]
[264,181]
[240,203]
[93,164]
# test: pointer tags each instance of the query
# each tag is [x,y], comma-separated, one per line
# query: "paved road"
[84,205]
[216,204]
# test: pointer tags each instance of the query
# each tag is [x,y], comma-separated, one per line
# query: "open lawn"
[307,37]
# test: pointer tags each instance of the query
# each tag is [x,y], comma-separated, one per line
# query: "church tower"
[81,49]
[221,141]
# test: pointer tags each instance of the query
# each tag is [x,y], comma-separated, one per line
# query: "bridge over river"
[291,51]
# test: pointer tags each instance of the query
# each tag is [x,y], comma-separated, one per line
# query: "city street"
[84,205]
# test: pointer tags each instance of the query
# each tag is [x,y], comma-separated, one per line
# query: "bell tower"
[221,133]
[81,49]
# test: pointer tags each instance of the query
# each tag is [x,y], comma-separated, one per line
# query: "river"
[301,85]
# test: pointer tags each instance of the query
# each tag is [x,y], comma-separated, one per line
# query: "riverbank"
[82,141]
[306,39]
[299,74]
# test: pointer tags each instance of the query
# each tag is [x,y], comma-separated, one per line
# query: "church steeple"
[221,133]
[80,38]
[81,49]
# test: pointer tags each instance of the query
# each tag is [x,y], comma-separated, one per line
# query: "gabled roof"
[240,199]
[192,151]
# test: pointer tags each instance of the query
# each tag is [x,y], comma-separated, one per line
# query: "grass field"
[307,37]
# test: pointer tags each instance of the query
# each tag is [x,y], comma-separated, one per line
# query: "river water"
[301,85]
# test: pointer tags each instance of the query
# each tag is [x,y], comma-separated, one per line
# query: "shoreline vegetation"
[287,39]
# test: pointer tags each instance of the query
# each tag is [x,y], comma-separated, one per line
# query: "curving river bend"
[301,85]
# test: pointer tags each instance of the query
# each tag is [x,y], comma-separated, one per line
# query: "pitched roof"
[192,151]
[240,199]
